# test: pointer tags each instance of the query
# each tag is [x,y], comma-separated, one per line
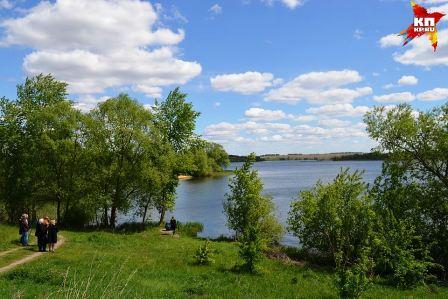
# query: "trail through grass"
[150,265]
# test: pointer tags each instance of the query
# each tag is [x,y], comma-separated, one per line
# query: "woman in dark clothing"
[52,235]
[42,234]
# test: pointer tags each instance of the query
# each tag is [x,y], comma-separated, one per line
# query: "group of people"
[46,233]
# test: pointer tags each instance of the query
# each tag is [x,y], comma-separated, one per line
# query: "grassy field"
[151,265]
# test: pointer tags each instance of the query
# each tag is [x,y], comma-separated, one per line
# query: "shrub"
[334,220]
[191,229]
[251,214]
[204,254]
[351,282]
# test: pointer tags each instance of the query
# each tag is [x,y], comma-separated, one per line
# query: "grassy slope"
[163,268]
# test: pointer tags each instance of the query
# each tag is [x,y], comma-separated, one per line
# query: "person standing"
[42,234]
[52,235]
[24,230]
[173,225]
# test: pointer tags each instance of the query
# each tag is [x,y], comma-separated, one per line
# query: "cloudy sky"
[270,76]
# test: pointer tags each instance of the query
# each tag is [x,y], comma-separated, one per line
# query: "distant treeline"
[235,158]
[314,157]
[373,156]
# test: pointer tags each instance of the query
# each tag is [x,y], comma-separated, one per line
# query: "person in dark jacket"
[42,234]
[24,230]
[173,225]
[52,235]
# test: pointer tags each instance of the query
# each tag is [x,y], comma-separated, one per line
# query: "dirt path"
[28,258]
[9,251]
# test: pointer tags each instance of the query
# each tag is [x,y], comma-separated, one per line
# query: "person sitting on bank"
[52,235]
[173,225]
[24,230]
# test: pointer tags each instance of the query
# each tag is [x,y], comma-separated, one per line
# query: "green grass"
[149,265]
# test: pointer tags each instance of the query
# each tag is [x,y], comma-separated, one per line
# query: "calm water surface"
[201,199]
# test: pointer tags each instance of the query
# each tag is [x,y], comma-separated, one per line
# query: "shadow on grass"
[15,242]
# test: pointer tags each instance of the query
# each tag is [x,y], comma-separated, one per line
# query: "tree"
[121,138]
[37,132]
[176,121]
[411,195]
[204,158]
[250,214]
[156,175]
[335,219]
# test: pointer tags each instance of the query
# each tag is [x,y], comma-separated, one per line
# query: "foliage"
[411,195]
[352,281]
[176,119]
[334,219]
[250,214]
[40,144]
[191,229]
[206,158]
[92,166]
[204,254]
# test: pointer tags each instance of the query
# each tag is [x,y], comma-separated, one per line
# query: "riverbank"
[151,265]
[183,177]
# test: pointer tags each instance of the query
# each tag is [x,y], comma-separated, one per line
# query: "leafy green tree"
[156,175]
[37,135]
[204,158]
[176,120]
[250,214]
[411,195]
[334,219]
[121,137]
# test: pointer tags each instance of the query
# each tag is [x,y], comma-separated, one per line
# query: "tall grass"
[96,285]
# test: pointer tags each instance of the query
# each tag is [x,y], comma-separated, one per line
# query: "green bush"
[334,220]
[191,229]
[352,282]
[204,254]
[251,214]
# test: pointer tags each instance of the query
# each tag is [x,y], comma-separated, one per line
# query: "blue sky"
[279,76]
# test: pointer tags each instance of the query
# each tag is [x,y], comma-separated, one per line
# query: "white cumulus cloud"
[245,83]
[339,110]
[95,45]
[407,80]
[399,97]
[264,114]
[320,88]
[421,52]
[436,94]
[391,40]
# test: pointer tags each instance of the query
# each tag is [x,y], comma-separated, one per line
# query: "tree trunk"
[144,214]
[162,216]
[106,217]
[113,216]
[58,210]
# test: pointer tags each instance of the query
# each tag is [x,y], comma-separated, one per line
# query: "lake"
[201,199]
